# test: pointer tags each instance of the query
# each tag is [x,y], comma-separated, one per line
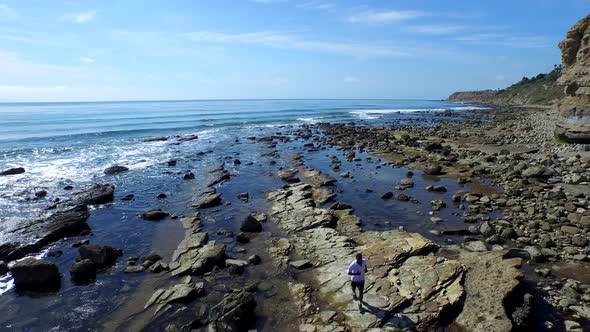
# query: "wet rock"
[80,243]
[438,204]
[208,198]
[289,176]
[179,293]
[158,267]
[235,266]
[387,195]
[128,197]
[195,258]
[476,246]
[83,272]
[433,170]
[12,171]
[235,312]
[300,264]
[244,197]
[101,256]
[134,269]
[3,268]
[188,176]
[487,229]
[254,259]
[242,238]
[250,224]
[41,193]
[155,139]
[152,256]
[154,215]
[115,170]
[402,197]
[406,183]
[36,275]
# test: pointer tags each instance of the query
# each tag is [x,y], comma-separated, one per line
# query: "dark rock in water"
[97,194]
[83,272]
[208,198]
[155,139]
[234,313]
[244,196]
[171,162]
[433,170]
[13,171]
[115,170]
[134,269]
[158,267]
[101,256]
[55,253]
[251,224]
[187,138]
[41,193]
[237,162]
[36,275]
[254,259]
[387,195]
[242,238]
[402,197]
[155,215]
[128,197]
[235,266]
[3,268]
[340,206]
[68,187]
[161,196]
[152,256]
[189,176]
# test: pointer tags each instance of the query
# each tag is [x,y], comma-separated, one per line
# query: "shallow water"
[71,144]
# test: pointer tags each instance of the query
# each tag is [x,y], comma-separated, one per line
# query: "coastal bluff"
[574,109]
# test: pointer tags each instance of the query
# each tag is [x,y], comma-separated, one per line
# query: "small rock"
[300,264]
[115,170]
[251,224]
[155,215]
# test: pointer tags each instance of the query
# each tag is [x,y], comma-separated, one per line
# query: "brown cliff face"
[574,108]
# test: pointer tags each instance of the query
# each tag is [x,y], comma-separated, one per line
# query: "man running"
[356,271]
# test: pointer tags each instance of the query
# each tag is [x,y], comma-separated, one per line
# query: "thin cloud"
[82,17]
[351,79]
[86,59]
[500,39]
[436,29]
[316,5]
[384,17]
[286,41]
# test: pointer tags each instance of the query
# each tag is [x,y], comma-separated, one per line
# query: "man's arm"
[366,270]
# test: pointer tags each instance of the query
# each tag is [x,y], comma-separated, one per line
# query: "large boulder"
[101,256]
[12,171]
[574,110]
[36,275]
[251,224]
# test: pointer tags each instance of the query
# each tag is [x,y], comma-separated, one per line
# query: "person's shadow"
[388,318]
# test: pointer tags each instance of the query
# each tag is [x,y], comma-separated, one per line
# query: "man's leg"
[353,285]
[361,287]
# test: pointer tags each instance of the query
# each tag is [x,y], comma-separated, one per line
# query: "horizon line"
[199,100]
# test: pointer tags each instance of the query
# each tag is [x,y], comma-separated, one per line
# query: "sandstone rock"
[179,293]
[200,260]
[208,198]
[300,264]
[574,109]
[35,275]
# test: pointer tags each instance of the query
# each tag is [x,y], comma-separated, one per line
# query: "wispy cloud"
[436,29]
[86,59]
[287,41]
[7,13]
[351,79]
[506,39]
[82,17]
[267,1]
[384,17]
[316,5]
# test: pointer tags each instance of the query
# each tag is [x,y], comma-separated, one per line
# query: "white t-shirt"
[354,268]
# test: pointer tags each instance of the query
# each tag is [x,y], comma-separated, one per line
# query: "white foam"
[309,120]
[366,113]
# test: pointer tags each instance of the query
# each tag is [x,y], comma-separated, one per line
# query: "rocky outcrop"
[100,256]
[574,109]
[235,312]
[481,96]
[179,293]
[12,171]
[35,275]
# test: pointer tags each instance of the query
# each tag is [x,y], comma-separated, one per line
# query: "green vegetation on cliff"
[538,90]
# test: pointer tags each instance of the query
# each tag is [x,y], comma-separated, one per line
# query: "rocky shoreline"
[516,203]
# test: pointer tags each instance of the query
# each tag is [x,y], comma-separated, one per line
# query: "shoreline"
[498,146]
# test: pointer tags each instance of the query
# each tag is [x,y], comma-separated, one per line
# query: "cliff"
[574,109]
[539,90]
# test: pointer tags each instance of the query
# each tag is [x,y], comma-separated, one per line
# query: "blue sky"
[137,50]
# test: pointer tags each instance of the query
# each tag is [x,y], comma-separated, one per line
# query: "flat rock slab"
[179,293]
[197,261]
[207,198]
[489,281]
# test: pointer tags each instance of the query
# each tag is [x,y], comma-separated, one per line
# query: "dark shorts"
[358,284]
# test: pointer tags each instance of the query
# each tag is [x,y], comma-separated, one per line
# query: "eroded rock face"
[574,109]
